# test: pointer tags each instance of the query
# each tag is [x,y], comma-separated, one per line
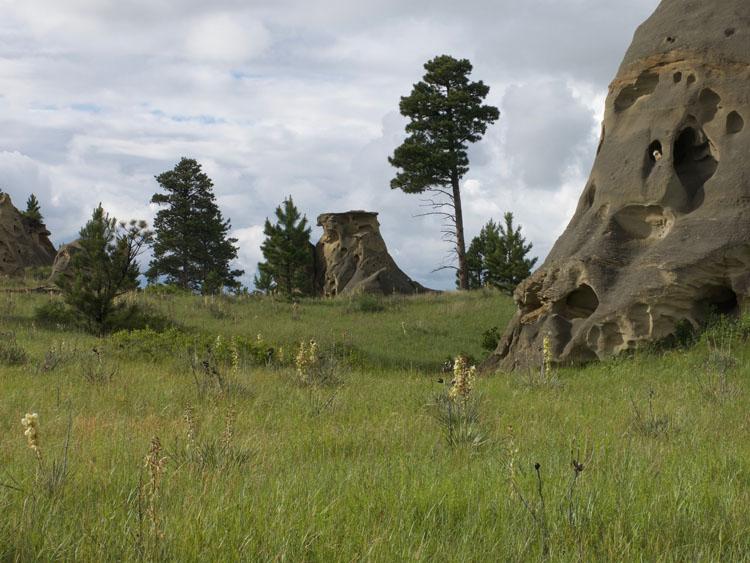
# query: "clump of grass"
[57,355]
[212,452]
[366,303]
[648,421]
[11,353]
[150,533]
[457,408]
[98,369]
[49,478]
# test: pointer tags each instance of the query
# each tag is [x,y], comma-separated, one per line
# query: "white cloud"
[284,97]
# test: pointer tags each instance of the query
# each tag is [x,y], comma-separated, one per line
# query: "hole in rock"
[694,163]
[691,79]
[729,31]
[644,221]
[670,39]
[708,102]
[581,303]
[654,154]
[719,300]
[590,195]
[735,123]
[677,77]
[644,86]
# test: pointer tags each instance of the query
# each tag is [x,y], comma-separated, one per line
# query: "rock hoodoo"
[24,243]
[661,235]
[61,265]
[351,256]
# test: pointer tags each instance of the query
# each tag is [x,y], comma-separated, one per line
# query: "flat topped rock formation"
[23,243]
[661,235]
[351,257]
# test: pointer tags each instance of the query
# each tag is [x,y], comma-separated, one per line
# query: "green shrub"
[54,314]
[490,339]
[366,303]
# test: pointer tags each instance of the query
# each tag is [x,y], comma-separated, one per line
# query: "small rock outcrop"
[60,267]
[661,235]
[24,243]
[351,257]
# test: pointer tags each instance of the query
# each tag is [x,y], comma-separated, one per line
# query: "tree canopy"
[497,256]
[288,266]
[192,248]
[446,113]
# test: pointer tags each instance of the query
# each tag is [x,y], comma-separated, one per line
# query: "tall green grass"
[362,470]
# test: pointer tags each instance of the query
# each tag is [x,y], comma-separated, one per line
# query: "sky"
[291,97]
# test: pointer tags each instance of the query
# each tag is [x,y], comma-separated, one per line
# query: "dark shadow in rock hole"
[644,86]
[581,303]
[694,164]
[719,300]
[677,77]
[708,103]
[735,123]
[654,154]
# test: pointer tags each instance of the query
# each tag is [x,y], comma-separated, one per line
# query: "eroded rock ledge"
[661,235]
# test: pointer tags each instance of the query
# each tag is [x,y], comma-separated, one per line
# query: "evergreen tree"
[192,249]
[446,113]
[476,256]
[33,211]
[506,264]
[287,252]
[104,268]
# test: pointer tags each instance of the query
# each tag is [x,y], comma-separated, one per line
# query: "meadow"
[205,442]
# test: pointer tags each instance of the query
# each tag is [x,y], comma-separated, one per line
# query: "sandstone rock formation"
[23,243]
[351,257]
[661,235]
[62,261]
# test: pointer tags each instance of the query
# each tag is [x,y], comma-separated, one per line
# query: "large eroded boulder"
[661,235]
[23,243]
[351,256]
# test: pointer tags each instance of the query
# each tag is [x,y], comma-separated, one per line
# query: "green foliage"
[366,303]
[192,249]
[288,267]
[497,256]
[33,211]
[490,339]
[446,113]
[103,270]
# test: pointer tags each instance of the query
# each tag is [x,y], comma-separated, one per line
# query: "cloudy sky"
[300,97]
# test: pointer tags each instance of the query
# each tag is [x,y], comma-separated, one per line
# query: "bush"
[366,303]
[490,339]
[11,353]
[55,314]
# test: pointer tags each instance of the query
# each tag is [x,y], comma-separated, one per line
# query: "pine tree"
[506,264]
[287,252]
[33,211]
[192,248]
[104,268]
[481,246]
[446,113]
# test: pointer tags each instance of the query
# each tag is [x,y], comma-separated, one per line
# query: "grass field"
[254,464]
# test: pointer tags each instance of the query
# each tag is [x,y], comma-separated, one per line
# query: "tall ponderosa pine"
[446,113]
[104,268]
[192,249]
[497,256]
[288,253]
[33,211]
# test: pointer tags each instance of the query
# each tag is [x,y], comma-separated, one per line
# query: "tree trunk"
[463,270]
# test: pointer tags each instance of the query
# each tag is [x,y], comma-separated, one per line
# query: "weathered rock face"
[662,231]
[60,267]
[352,257]
[23,243]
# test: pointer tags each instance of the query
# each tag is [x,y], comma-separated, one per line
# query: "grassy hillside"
[257,465]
